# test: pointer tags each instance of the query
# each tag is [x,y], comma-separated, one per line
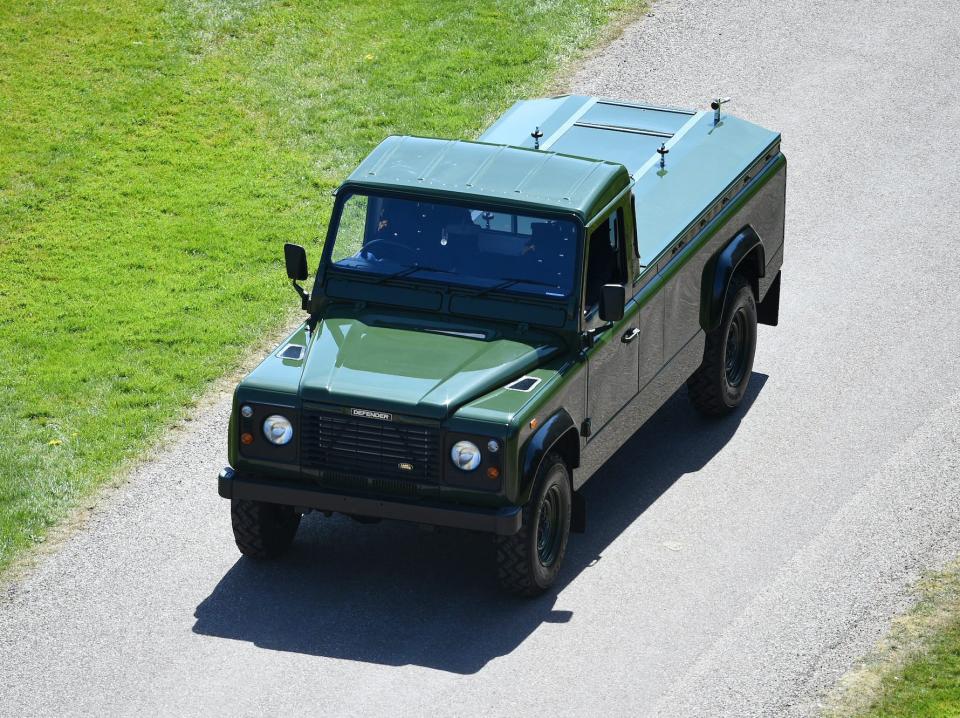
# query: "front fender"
[540,444]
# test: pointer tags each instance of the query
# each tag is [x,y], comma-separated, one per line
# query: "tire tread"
[704,386]
[262,530]
[513,552]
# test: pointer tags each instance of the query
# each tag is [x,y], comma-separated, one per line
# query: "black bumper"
[498,521]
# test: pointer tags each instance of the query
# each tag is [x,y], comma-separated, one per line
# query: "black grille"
[341,444]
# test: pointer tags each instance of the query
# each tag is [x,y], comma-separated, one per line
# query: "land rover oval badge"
[367,414]
[404,466]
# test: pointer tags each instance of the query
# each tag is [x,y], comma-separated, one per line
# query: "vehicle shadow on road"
[395,594]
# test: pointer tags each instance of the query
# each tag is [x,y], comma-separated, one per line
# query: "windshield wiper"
[407,271]
[509,282]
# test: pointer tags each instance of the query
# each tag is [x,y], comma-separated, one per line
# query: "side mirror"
[613,298]
[296,258]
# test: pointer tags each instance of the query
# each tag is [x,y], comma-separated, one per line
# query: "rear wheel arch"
[743,254]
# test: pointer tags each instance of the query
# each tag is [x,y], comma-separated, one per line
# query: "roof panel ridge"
[436,161]
[572,189]
[534,169]
[485,164]
[388,154]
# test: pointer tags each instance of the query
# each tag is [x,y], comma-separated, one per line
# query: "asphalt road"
[731,568]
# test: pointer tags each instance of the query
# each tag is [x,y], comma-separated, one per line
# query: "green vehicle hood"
[410,370]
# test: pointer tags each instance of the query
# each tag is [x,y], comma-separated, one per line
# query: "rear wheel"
[720,383]
[263,530]
[529,561]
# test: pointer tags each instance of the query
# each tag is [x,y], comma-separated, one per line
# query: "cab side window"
[605,259]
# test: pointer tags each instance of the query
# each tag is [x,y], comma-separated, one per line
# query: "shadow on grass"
[395,594]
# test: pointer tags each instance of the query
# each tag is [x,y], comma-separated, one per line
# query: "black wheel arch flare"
[745,249]
[558,431]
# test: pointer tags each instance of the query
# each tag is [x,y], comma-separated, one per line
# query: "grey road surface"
[730,568]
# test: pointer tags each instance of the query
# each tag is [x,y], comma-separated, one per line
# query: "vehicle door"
[613,357]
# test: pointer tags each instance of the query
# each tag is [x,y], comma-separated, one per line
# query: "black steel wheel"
[737,352]
[529,561]
[550,527]
[720,383]
[263,530]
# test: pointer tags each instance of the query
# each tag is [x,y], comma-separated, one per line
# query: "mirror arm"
[589,337]
[304,297]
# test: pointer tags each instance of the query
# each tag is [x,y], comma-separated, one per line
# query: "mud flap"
[578,514]
[768,311]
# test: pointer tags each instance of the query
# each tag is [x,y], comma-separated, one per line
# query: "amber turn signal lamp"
[533,423]
[246,438]
[493,473]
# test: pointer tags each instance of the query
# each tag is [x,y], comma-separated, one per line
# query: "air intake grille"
[340,444]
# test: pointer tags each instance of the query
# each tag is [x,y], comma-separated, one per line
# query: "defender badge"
[367,414]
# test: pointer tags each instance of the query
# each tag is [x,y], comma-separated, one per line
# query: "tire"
[263,530]
[719,385]
[529,562]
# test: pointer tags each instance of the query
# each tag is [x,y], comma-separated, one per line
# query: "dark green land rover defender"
[491,320]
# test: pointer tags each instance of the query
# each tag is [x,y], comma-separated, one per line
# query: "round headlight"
[278,429]
[465,455]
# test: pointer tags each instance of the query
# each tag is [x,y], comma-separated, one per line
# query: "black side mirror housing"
[613,299]
[296,258]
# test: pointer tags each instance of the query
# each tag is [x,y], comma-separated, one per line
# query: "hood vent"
[524,383]
[292,351]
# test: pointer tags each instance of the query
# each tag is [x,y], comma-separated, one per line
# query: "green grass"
[153,158]
[914,671]
[928,686]
[919,672]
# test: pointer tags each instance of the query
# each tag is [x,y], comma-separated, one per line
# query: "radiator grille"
[338,444]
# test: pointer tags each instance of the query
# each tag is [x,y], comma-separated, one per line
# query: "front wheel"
[263,530]
[529,561]
[720,383]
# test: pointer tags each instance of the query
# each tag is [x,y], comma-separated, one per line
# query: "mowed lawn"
[925,682]
[153,159]
[928,686]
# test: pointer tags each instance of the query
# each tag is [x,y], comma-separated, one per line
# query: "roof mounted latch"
[715,106]
[662,151]
[536,135]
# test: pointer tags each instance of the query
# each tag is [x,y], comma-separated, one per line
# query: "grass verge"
[155,155]
[915,671]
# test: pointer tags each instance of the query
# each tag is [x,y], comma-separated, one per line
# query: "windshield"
[491,251]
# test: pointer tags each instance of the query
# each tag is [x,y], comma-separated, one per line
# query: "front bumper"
[504,522]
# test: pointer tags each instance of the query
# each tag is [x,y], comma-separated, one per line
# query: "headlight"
[278,429]
[465,455]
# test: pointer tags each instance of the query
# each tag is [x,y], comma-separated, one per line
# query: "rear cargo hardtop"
[704,161]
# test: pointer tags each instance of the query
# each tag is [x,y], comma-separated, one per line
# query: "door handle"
[630,335]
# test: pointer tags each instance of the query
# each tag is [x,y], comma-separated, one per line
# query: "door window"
[605,260]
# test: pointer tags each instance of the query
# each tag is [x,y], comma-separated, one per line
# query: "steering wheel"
[374,247]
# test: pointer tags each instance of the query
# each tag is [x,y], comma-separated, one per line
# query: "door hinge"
[585,428]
